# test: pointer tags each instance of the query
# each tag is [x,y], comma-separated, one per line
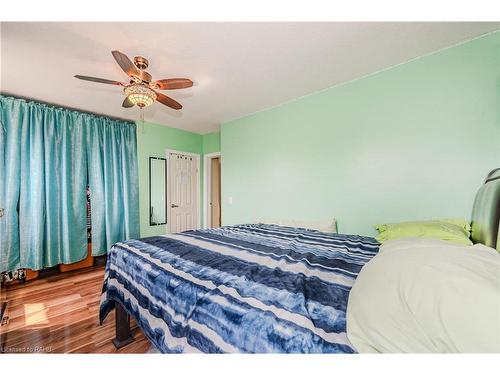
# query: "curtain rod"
[28,99]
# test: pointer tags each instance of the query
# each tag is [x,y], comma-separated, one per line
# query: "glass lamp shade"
[140,95]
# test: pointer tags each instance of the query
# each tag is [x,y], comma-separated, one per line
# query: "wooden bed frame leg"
[123,335]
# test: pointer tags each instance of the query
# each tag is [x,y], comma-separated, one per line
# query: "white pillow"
[327,226]
[426,295]
[416,243]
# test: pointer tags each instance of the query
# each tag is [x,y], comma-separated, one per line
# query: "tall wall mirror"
[157,191]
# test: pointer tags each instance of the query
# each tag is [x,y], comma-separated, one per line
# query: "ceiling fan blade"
[129,68]
[174,83]
[127,103]
[126,64]
[169,102]
[145,76]
[99,80]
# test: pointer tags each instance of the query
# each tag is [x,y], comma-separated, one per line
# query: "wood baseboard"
[87,262]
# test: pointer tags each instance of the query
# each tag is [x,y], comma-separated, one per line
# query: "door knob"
[174,205]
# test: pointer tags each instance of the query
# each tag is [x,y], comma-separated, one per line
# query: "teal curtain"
[46,163]
[113,182]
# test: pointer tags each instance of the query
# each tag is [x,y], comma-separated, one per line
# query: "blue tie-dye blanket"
[247,288]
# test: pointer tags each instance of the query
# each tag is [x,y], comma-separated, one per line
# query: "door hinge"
[1,212]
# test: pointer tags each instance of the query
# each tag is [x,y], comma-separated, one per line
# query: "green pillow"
[454,230]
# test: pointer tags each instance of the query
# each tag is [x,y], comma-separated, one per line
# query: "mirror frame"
[151,158]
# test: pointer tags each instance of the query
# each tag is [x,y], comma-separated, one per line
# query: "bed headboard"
[486,212]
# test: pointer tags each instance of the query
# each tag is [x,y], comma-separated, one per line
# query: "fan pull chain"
[142,119]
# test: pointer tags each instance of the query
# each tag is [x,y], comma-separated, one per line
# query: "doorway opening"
[212,190]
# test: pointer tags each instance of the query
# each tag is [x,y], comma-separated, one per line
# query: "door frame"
[198,179]
[207,183]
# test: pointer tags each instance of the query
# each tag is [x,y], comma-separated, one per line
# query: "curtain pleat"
[12,115]
[48,157]
[113,182]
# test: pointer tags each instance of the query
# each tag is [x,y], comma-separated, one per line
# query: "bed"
[248,288]
[262,288]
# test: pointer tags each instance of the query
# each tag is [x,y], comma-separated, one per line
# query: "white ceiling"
[238,68]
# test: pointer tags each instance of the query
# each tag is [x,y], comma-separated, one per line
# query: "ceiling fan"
[140,90]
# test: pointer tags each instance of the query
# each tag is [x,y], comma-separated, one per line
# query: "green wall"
[211,143]
[154,140]
[411,142]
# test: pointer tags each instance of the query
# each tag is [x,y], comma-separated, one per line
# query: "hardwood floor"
[59,314]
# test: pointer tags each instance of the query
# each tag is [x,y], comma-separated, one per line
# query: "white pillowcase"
[326,226]
[426,295]
[415,242]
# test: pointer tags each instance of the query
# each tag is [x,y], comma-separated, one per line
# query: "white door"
[183,192]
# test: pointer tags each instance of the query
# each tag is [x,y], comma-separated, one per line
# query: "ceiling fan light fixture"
[140,95]
[140,89]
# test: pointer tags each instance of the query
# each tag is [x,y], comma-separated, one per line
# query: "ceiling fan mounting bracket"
[141,62]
